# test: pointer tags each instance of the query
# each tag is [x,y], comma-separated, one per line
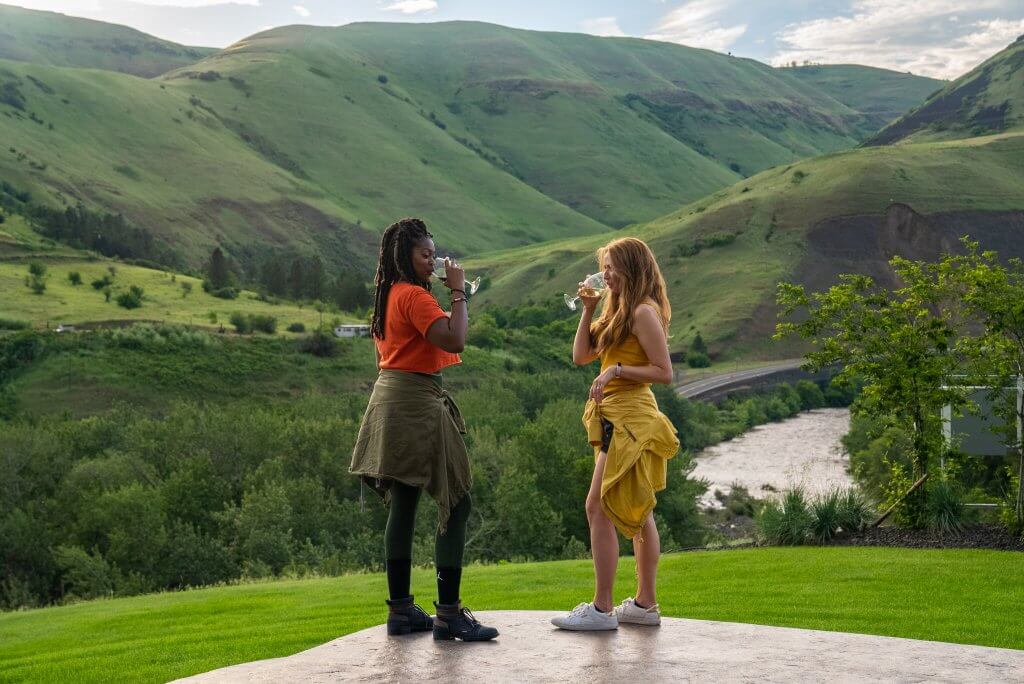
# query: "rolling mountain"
[807,222]
[314,139]
[880,95]
[989,99]
[59,40]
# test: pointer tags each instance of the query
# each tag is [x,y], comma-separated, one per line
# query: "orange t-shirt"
[410,312]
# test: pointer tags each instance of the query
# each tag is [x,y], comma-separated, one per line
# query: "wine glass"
[439,272]
[593,285]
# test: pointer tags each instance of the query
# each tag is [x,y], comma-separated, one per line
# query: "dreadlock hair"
[395,264]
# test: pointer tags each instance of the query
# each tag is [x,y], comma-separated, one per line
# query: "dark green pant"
[448,547]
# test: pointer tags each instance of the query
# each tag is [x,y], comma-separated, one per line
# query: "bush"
[811,396]
[382,78]
[319,344]
[945,508]
[132,299]
[297,328]
[225,293]
[75,278]
[825,516]
[242,323]
[786,522]
[697,360]
[854,510]
[12,324]
[100,283]
[263,323]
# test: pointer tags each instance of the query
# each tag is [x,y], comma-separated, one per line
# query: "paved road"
[696,388]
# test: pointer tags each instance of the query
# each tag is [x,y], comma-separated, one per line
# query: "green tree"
[899,342]
[698,345]
[316,279]
[296,280]
[217,272]
[994,297]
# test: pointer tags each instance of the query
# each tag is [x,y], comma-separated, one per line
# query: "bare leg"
[647,553]
[604,544]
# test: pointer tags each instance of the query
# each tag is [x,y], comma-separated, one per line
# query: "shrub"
[75,278]
[945,508]
[101,283]
[825,516]
[697,360]
[12,324]
[382,78]
[297,328]
[811,396]
[225,293]
[242,323]
[132,299]
[186,288]
[263,323]
[319,344]
[854,510]
[787,522]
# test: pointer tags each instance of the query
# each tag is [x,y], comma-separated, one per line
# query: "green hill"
[988,99]
[839,213]
[59,40]
[313,139]
[807,222]
[960,596]
[880,94]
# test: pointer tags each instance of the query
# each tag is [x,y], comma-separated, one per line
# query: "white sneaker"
[586,618]
[629,612]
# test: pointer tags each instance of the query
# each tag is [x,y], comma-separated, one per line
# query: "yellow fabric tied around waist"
[643,441]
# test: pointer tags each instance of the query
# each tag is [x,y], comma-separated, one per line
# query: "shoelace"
[466,613]
[580,610]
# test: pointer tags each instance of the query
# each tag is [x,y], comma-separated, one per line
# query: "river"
[803,451]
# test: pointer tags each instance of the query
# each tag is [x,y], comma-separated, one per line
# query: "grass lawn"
[972,597]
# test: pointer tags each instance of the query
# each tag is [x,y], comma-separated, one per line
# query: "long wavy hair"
[640,281]
[395,264]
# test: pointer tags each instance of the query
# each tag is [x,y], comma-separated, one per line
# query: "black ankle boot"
[404,617]
[456,622]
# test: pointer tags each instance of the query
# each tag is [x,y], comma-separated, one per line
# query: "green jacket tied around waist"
[412,432]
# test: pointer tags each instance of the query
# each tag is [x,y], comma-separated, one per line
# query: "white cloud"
[931,38]
[300,10]
[411,6]
[696,24]
[602,26]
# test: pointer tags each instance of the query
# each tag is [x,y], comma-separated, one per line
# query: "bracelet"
[463,293]
[460,299]
[618,369]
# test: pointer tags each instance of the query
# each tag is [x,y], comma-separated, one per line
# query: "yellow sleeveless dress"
[643,441]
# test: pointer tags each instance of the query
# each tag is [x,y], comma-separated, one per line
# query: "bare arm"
[649,331]
[582,347]
[449,332]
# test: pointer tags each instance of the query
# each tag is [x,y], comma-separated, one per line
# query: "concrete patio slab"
[530,649]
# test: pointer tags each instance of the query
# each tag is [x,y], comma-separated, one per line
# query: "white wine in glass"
[439,272]
[593,285]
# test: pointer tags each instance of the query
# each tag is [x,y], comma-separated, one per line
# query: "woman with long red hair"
[632,439]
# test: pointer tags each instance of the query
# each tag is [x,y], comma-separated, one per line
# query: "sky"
[937,38]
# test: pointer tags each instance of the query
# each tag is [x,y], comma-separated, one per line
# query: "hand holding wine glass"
[590,291]
[451,274]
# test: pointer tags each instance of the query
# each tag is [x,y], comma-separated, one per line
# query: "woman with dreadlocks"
[410,439]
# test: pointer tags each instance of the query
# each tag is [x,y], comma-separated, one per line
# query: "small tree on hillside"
[698,345]
[36,279]
[218,276]
[296,280]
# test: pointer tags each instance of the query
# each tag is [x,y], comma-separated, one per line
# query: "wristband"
[618,369]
